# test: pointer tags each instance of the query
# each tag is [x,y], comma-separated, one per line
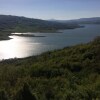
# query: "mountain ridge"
[91,20]
[12,24]
[35,24]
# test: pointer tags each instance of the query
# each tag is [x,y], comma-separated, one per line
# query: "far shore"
[5,35]
[27,35]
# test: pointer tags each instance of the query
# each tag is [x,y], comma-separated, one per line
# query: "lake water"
[21,47]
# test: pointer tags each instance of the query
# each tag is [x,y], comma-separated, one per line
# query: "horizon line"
[49,18]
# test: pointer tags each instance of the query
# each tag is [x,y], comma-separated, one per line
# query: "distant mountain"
[23,24]
[94,20]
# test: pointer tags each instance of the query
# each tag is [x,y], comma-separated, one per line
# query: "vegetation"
[94,20]
[72,73]
[10,24]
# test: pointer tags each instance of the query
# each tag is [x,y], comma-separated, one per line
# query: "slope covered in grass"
[72,73]
[10,24]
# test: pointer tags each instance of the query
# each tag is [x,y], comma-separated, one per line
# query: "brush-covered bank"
[72,73]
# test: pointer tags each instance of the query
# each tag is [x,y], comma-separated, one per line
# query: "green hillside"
[10,24]
[72,73]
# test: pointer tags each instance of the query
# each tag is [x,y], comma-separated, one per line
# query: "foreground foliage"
[72,73]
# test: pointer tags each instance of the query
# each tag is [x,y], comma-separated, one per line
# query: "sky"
[51,9]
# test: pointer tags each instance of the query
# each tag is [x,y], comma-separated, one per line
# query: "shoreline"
[5,35]
[26,35]
[51,51]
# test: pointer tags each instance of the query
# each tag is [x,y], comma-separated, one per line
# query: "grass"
[72,73]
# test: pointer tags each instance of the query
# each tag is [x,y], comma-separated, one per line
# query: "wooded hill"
[10,24]
[17,24]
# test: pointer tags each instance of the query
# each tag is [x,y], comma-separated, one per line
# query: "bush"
[25,94]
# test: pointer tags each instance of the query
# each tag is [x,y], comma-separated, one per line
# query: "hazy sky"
[51,9]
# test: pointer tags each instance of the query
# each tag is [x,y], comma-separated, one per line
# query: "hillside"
[94,20]
[10,24]
[72,73]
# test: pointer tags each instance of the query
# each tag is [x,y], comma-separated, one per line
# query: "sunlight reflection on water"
[27,46]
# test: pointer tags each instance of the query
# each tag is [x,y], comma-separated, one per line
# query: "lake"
[21,47]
